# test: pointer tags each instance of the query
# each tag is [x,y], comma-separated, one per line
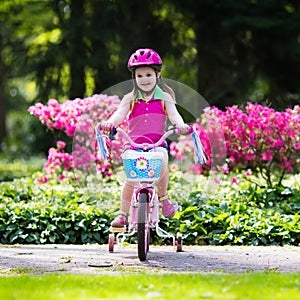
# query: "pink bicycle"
[143,169]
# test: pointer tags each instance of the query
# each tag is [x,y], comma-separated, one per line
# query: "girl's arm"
[120,114]
[173,114]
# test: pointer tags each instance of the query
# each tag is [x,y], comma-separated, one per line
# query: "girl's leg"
[162,184]
[168,208]
[126,196]
[122,218]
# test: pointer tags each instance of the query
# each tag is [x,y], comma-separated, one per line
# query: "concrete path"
[95,259]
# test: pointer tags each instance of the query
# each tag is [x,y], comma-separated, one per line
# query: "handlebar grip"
[112,132]
[191,129]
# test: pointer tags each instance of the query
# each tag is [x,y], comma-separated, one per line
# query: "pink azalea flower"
[61,144]
[217,181]
[43,179]
[225,169]
[61,177]
[248,173]
[174,167]
[196,169]
[234,180]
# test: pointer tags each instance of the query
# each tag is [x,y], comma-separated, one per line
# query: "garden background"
[56,59]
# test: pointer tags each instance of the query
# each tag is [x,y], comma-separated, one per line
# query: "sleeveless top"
[147,118]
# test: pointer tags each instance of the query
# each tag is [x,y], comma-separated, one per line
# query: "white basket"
[141,166]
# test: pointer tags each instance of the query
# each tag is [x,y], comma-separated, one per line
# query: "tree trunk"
[2,102]
[76,50]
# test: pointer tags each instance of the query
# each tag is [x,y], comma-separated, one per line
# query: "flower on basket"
[141,163]
[151,173]
[132,173]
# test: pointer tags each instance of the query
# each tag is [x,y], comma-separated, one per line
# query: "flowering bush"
[58,161]
[211,135]
[256,138]
[77,118]
[66,116]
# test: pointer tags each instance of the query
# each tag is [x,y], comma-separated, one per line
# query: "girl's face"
[146,78]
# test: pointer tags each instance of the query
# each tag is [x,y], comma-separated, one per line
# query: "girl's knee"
[164,153]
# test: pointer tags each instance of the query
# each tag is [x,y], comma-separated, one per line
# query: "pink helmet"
[144,57]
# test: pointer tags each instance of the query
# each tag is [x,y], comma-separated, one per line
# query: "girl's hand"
[106,126]
[184,128]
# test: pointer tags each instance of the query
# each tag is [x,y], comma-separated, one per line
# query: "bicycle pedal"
[117,229]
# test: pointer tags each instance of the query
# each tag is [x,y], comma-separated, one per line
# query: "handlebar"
[199,152]
[114,130]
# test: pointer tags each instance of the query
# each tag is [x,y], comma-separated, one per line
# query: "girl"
[147,107]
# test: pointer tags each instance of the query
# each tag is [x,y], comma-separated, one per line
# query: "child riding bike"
[147,108]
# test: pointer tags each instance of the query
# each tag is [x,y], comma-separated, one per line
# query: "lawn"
[144,286]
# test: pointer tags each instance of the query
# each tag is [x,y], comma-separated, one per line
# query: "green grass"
[144,286]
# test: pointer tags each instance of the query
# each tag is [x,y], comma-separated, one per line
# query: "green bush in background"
[11,168]
[78,212]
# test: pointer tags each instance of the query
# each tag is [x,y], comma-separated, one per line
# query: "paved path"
[95,259]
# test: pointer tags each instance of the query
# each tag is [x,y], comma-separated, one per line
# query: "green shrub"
[234,223]
[40,223]
[243,214]
[80,212]
[49,213]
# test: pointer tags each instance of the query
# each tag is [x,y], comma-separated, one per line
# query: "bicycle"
[143,168]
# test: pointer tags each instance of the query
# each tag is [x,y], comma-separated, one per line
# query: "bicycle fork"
[152,205]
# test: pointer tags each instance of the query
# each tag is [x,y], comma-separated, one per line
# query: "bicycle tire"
[111,242]
[179,242]
[143,232]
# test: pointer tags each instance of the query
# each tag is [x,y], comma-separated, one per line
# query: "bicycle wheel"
[179,242]
[143,232]
[111,242]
